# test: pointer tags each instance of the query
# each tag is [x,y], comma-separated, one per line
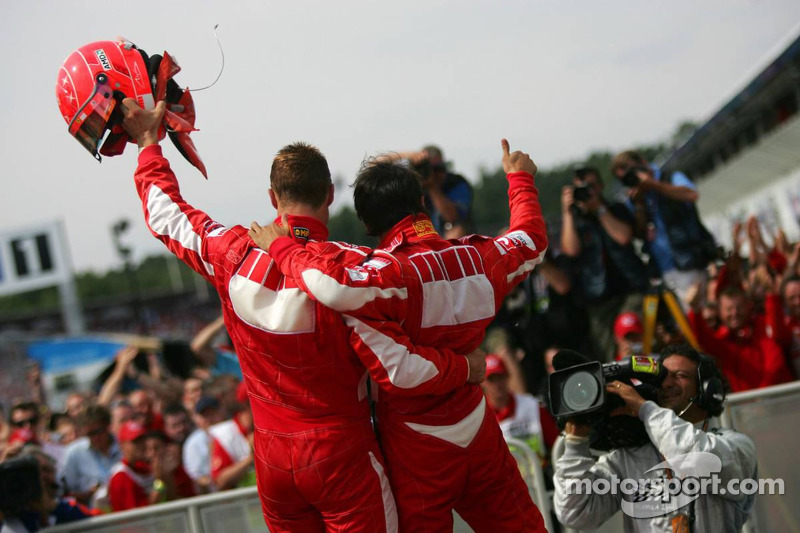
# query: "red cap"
[627,323]
[495,365]
[130,431]
[23,435]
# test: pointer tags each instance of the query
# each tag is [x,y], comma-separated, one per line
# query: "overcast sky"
[558,79]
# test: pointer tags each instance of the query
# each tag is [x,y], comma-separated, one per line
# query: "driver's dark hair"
[384,194]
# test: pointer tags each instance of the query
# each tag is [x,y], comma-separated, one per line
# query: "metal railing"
[239,510]
[771,418]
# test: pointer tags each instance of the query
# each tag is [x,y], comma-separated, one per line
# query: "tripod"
[650,311]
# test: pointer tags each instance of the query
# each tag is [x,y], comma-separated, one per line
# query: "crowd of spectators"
[149,436]
[143,438]
[606,256]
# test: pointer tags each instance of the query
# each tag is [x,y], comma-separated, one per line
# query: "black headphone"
[710,389]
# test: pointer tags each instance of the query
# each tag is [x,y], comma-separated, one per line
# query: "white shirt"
[84,467]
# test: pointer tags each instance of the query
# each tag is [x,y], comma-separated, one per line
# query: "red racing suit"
[444,452]
[316,456]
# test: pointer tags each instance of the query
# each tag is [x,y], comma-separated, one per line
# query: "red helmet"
[96,77]
[91,82]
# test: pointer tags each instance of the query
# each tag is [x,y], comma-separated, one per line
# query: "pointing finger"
[506,148]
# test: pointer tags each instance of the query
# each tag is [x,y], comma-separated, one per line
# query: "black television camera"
[578,391]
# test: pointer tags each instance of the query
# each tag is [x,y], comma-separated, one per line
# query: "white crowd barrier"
[239,511]
[771,417]
[233,511]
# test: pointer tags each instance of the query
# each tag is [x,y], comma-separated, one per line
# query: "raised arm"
[181,227]
[512,256]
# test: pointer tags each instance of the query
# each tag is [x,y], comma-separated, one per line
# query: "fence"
[771,417]
[236,511]
[240,510]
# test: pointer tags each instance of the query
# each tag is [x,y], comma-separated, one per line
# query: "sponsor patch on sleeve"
[215,229]
[357,274]
[377,263]
[516,239]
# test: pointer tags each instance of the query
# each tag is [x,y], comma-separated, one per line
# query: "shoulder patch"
[424,227]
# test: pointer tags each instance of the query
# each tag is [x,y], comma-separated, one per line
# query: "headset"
[710,388]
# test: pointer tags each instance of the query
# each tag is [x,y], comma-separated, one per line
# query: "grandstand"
[745,159]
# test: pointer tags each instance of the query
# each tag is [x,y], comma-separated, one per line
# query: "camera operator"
[678,244]
[599,237]
[691,393]
[448,196]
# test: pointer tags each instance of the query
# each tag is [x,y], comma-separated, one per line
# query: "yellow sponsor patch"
[301,233]
[424,227]
[644,364]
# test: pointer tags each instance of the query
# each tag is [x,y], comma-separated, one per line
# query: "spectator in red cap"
[520,416]
[132,482]
[628,334]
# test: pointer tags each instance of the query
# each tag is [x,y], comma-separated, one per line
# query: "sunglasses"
[25,422]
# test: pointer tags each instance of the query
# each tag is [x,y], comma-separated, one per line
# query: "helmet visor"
[89,123]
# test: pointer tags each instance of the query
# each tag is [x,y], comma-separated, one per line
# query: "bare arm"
[618,230]
[676,192]
[445,206]
[556,277]
[111,387]
[570,243]
[229,477]
[201,343]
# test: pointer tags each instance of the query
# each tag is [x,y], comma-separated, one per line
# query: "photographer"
[678,244]
[448,196]
[691,393]
[598,236]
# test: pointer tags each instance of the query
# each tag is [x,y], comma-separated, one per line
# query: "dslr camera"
[578,391]
[631,177]
[582,193]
